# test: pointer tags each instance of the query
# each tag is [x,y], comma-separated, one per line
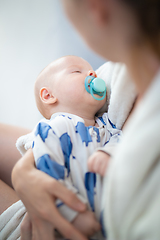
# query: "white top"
[131,194]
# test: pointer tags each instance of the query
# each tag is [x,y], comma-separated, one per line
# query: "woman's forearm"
[9,153]
[7,196]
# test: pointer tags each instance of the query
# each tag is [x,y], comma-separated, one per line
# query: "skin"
[8,158]
[115,27]
[98,162]
[9,153]
[65,89]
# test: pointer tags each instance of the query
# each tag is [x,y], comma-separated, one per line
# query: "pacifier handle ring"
[86,83]
[99,99]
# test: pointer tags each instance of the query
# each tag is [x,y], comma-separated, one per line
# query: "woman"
[129,32]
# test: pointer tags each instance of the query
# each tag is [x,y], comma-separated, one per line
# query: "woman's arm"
[7,196]
[38,191]
[9,153]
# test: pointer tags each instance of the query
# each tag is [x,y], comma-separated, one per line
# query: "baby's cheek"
[76,94]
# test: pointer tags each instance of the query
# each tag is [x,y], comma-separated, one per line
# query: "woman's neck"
[143,67]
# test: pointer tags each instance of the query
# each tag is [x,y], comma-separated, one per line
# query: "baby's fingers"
[102,168]
[92,162]
[98,162]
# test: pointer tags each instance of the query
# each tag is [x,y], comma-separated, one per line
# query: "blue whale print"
[49,166]
[83,132]
[42,130]
[66,146]
[90,183]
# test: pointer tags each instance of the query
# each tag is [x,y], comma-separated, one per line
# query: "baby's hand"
[86,223]
[98,162]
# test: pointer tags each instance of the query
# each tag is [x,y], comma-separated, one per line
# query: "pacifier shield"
[95,86]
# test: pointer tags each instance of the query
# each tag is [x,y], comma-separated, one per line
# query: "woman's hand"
[26,228]
[98,162]
[29,230]
[38,191]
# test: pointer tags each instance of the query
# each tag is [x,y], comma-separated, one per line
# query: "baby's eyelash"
[77,72]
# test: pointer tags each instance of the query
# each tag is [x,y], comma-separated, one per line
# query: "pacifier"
[97,86]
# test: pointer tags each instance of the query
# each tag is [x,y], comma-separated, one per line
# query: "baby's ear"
[47,96]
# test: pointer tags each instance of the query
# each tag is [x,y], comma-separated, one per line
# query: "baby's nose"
[92,73]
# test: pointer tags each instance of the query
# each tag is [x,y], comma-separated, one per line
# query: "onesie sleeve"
[52,152]
[113,136]
[111,145]
[109,149]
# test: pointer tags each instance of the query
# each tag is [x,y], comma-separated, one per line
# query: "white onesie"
[61,148]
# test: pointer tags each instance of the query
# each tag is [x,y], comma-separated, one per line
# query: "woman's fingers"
[68,230]
[68,197]
[42,230]
[38,229]
[49,213]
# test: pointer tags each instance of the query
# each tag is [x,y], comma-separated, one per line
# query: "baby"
[70,134]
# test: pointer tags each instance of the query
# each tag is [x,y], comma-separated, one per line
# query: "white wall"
[32,34]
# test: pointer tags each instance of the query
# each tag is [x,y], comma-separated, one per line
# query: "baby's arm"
[99,160]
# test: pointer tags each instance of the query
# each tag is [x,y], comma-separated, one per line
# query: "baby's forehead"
[69,61]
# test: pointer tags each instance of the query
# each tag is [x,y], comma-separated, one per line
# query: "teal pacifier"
[95,86]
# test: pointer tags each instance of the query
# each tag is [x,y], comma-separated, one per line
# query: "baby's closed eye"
[77,71]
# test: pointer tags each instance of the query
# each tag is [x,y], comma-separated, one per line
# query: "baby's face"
[70,73]
[69,78]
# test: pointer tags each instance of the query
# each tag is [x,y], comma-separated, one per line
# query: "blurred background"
[32,34]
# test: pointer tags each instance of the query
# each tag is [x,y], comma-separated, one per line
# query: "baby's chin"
[101,106]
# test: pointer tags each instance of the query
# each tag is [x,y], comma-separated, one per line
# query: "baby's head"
[60,88]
